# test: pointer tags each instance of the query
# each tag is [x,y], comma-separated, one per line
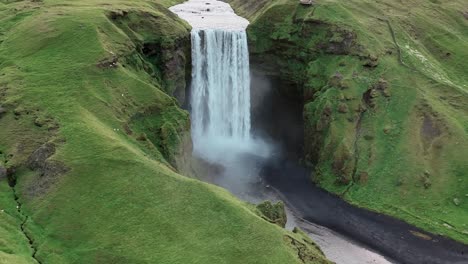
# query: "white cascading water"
[220,96]
[220,89]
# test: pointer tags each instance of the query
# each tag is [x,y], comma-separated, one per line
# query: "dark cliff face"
[178,68]
[284,52]
[175,64]
[167,58]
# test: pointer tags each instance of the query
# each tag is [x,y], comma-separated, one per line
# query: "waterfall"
[220,89]
[220,98]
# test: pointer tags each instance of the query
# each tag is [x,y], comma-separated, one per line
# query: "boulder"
[341,42]
[273,213]
[343,108]
[39,156]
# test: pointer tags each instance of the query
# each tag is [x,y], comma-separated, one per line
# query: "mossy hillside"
[168,53]
[385,95]
[120,200]
[14,247]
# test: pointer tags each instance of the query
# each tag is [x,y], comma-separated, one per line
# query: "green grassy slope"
[72,74]
[385,86]
[14,247]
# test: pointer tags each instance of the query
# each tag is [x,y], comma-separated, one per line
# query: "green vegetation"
[385,87]
[14,247]
[274,213]
[88,78]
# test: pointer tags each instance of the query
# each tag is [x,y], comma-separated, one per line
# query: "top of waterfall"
[210,14]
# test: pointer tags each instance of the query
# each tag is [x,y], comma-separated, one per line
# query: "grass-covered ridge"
[76,74]
[385,88]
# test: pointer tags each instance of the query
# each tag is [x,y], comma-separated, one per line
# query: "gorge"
[233,132]
[220,110]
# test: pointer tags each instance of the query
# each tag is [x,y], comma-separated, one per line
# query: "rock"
[39,122]
[118,14]
[49,170]
[273,213]
[10,175]
[386,93]
[368,97]
[40,155]
[338,75]
[141,137]
[361,108]
[341,42]
[2,111]
[420,235]
[465,14]
[54,168]
[371,62]
[343,85]
[108,62]
[387,129]
[176,62]
[3,173]
[18,111]
[374,93]
[343,108]
[327,110]
[306,2]
[427,183]
[400,182]
[363,177]
[456,201]
[447,225]
[381,85]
